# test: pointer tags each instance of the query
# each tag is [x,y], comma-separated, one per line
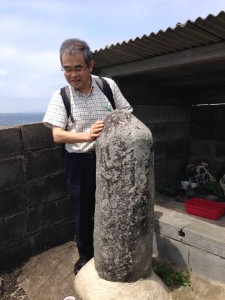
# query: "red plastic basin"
[205,208]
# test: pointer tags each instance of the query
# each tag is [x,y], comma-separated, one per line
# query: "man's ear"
[91,66]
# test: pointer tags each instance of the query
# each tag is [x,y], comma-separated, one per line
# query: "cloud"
[3,72]
[7,52]
[32,32]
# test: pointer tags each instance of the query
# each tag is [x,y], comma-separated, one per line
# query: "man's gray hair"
[76,46]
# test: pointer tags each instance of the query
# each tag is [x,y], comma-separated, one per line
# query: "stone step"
[188,241]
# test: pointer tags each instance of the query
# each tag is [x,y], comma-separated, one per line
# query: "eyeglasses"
[76,70]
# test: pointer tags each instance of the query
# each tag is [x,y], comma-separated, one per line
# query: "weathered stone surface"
[124,199]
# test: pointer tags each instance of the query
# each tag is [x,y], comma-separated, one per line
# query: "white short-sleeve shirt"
[86,110]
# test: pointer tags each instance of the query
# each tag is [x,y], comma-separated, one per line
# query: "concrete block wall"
[183,131]
[208,139]
[35,212]
[168,115]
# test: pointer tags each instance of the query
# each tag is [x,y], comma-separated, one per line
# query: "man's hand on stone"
[96,129]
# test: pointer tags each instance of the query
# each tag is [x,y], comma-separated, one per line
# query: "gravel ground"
[9,287]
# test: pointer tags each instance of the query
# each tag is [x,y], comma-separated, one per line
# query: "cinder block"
[154,113]
[57,212]
[14,254]
[34,220]
[179,131]
[159,114]
[51,237]
[192,258]
[220,149]
[178,148]
[200,248]
[129,86]
[203,148]
[177,166]
[13,228]
[160,168]
[144,113]
[146,88]
[171,250]
[202,114]
[51,214]
[10,142]
[218,165]
[197,235]
[11,172]
[163,113]
[12,200]
[36,136]
[218,113]
[160,151]
[207,265]
[44,162]
[204,131]
[170,227]
[46,189]
[219,130]
[178,113]
[160,131]
[160,181]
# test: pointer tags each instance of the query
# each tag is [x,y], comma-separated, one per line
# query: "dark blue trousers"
[81,181]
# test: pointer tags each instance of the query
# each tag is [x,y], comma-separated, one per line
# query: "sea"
[12,119]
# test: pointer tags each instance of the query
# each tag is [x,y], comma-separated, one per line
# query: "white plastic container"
[185,185]
[193,185]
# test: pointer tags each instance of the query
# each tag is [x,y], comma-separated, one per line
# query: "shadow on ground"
[49,276]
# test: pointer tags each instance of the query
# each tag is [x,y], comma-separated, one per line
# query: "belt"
[90,154]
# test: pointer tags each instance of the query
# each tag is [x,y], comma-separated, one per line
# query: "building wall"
[183,131]
[208,138]
[167,113]
[35,212]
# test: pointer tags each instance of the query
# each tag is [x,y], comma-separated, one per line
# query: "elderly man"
[89,106]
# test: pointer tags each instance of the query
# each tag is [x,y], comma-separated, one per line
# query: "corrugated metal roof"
[184,36]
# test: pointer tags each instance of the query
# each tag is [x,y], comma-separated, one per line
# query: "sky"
[32,31]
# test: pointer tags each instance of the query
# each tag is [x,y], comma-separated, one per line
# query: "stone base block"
[89,286]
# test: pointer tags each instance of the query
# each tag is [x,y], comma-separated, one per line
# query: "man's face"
[76,72]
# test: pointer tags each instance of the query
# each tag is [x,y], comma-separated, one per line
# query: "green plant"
[214,188]
[172,277]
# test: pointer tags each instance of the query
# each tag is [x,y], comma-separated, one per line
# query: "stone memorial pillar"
[124,199]
[124,215]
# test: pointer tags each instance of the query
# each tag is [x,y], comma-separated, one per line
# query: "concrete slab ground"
[49,276]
